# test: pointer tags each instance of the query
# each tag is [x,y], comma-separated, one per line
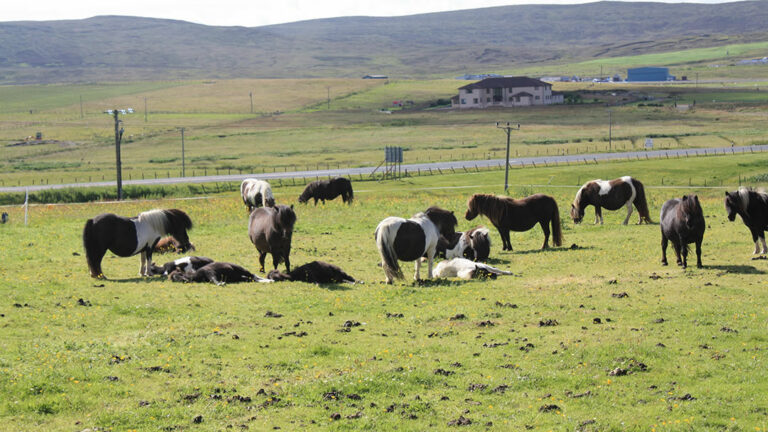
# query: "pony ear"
[291,206]
[727,194]
[685,197]
[696,198]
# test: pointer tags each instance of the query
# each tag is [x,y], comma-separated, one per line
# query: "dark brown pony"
[327,190]
[518,215]
[314,272]
[171,245]
[130,236]
[752,206]
[612,195]
[682,223]
[270,230]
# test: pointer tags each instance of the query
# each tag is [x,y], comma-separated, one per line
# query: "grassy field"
[534,350]
[292,128]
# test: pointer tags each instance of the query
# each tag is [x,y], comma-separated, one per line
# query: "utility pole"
[508,130]
[697,80]
[250,94]
[183,167]
[118,139]
[610,130]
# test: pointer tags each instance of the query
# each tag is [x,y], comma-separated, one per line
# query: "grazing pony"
[270,230]
[327,190]
[613,194]
[185,265]
[318,272]
[752,206]
[219,273]
[682,223]
[170,244]
[256,193]
[466,269]
[518,215]
[474,244]
[129,236]
[409,240]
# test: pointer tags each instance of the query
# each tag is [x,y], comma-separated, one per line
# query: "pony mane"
[491,206]
[744,198]
[690,206]
[155,218]
[442,215]
[577,199]
[285,216]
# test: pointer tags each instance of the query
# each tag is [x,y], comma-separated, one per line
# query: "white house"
[506,92]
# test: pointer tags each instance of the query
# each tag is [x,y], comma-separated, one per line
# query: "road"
[411,168]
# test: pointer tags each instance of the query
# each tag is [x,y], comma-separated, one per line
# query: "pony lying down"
[219,273]
[184,265]
[314,272]
[466,269]
[473,244]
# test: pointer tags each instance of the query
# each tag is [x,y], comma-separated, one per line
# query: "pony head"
[691,208]
[286,218]
[577,214]
[176,224]
[277,276]
[444,220]
[472,208]
[732,204]
[178,276]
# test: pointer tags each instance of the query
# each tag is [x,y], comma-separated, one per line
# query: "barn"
[649,74]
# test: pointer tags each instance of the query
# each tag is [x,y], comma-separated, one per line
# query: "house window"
[537,98]
[487,99]
[475,100]
[511,98]
[463,102]
[517,98]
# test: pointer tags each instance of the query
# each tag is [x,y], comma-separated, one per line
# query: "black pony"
[271,230]
[752,206]
[682,223]
[186,265]
[218,273]
[314,272]
[327,190]
[129,236]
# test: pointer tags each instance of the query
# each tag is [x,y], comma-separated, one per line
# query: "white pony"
[399,239]
[466,269]
[256,193]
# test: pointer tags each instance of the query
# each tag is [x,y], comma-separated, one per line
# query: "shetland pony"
[185,265]
[129,236]
[466,269]
[682,223]
[752,206]
[612,195]
[219,273]
[170,244]
[256,193]
[270,230]
[474,244]
[318,272]
[327,190]
[518,215]
[399,239]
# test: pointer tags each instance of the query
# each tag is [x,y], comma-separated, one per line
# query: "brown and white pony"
[473,244]
[682,223]
[271,230]
[612,195]
[256,193]
[399,239]
[752,206]
[169,245]
[129,236]
[518,215]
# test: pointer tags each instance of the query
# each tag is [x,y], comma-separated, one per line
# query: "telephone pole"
[118,139]
[508,130]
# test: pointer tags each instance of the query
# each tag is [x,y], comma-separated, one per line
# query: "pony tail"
[351,192]
[89,243]
[640,202]
[557,229]
[385,241]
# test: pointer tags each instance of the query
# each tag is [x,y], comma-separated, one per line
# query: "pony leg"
[545,228]
[287,264]
[762,239]
[664,243]
[94,263]
[629,212]
[431,260]
[505,240]
[418,266]
[598,215]
[677,248]
[143,268]
[262,257]
[698,253]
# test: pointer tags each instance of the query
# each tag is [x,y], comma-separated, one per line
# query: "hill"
[487,39]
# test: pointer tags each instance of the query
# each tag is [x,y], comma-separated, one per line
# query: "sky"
[248,13]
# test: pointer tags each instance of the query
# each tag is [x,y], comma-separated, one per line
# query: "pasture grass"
[147,354]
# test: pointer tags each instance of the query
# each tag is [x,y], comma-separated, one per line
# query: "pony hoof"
[664,263]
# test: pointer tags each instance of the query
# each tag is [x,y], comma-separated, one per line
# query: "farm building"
[506,92]
[649,74]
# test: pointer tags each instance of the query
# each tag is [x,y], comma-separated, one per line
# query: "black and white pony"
[752,206]
[399,239]
[185,265]
[256,193]
[219,273]
[318,272]
[612,195]
[473,244]
[129,236]
[466,269]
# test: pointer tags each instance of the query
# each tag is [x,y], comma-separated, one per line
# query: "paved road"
[516,162]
